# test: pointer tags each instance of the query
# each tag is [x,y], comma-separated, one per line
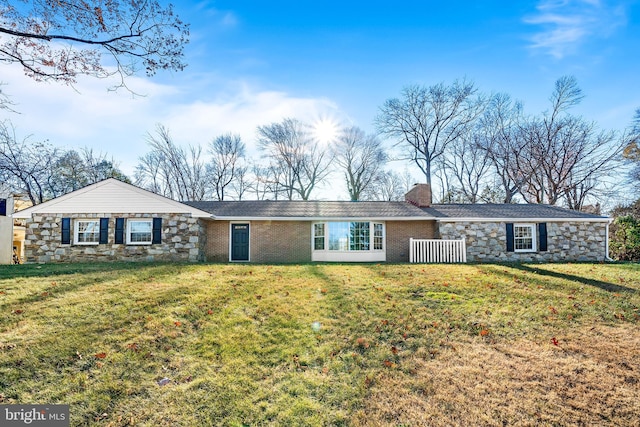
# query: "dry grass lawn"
[325,344]
[591,379]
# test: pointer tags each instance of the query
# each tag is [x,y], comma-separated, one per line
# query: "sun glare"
[325,131]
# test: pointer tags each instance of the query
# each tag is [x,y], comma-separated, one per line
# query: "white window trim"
[128,231]
[76,232]
[371,255]
[324,236]
[534,240]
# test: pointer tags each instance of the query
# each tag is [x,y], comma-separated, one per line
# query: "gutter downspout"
[606,249]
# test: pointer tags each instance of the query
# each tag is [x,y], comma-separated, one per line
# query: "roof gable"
[110,196]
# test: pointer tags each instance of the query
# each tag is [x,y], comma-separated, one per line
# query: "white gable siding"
[109,196]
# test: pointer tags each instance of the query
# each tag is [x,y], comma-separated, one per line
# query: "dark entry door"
[239,242]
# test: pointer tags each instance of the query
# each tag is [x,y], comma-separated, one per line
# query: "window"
[357,236]
[3,207]
[378,237]
[87,232]
[318,237]
[524,238]
[139,232]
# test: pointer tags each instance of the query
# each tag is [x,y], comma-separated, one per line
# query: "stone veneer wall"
[183,239]
[566,241]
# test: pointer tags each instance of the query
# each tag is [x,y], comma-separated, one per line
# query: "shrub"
[625,239]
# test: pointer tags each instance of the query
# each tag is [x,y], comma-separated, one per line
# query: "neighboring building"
[112,220]
[6,228]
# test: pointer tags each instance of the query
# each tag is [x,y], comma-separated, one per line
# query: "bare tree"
[265,181]
[501,137]
[73,170]
[242,183]
[98,166]
[299,163]
[468,163]
[226,152]
[60,40]
[26,166]
[42,172]
[426,120]
[361,158]
[5,102]
[170,170]
[569,156]
[387,186]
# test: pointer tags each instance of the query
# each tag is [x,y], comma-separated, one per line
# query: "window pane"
[339,236]
[359,233]
[88,231]
[523,237]
[140,231]
[318,237]
[377,237]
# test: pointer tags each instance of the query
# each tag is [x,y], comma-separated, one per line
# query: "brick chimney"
[419,195]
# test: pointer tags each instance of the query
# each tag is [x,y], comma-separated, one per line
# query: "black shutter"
[542,231]
[104,231]
[157,230]
[509,237]
[66,231]
[3,207]
[119,237]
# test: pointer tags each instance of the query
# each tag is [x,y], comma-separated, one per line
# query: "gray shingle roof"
[286,209]
[310,209]
[505,211]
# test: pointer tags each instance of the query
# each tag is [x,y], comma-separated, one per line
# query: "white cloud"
[241,112]
[117,123]
[565,25]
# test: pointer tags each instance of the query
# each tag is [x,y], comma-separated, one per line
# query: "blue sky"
[252,63]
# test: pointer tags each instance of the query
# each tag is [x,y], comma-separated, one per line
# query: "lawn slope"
[368,345]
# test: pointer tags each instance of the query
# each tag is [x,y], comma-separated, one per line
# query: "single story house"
[113,220]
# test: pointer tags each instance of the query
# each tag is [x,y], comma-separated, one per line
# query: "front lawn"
[326,344]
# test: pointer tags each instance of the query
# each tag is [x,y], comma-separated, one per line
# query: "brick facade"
[290,241]
[183,239]
[269,241]
[566,241]
[217,247]
[398,234]
[280,241]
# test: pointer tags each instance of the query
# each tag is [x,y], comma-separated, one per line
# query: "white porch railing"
[437,251]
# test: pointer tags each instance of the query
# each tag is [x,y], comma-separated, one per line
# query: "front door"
[239,242]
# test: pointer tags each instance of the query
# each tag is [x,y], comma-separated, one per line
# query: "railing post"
[411,258]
